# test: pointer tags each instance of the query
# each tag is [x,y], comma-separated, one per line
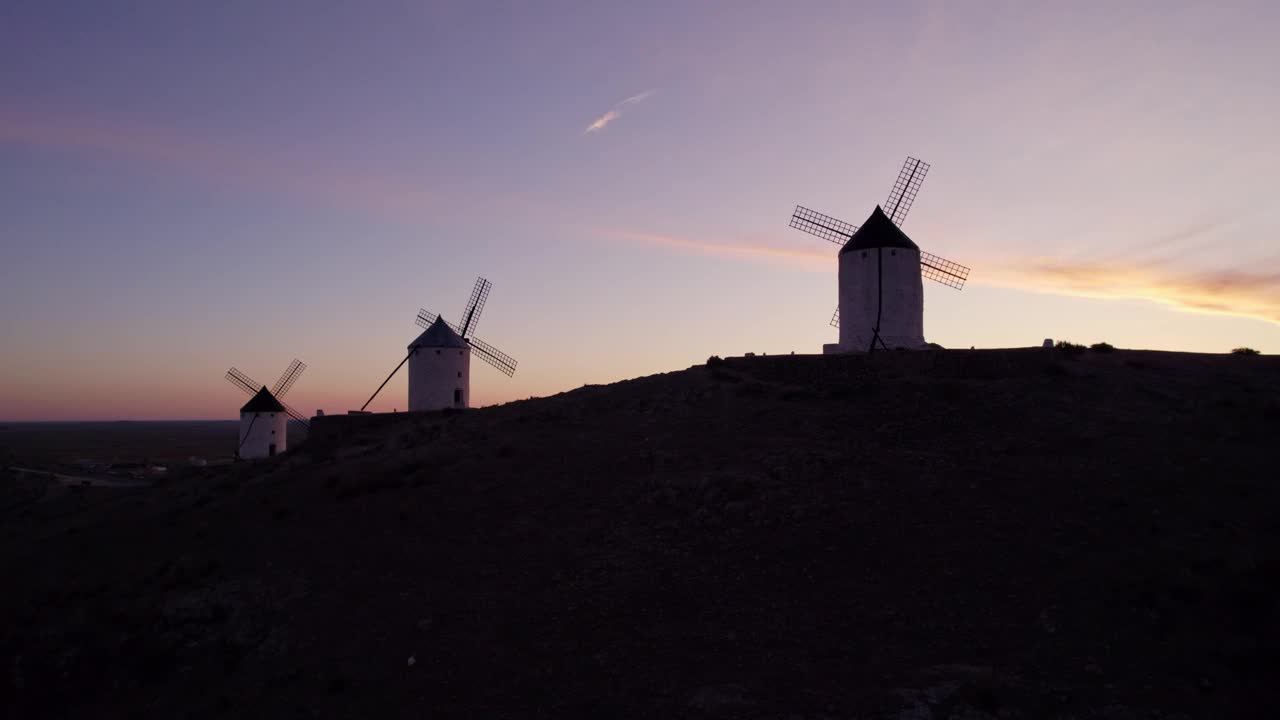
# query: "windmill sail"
[242,381]
[942,270]
[295,416]
[251,386]
[471,315]
[503,362]
[289,377]
[905,189]
[823,226]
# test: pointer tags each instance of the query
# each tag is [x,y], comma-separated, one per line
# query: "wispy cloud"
[616,112]
[805,259]
[1249,293]
[1252,292]
[600,122]
[1168,268]
[639,97]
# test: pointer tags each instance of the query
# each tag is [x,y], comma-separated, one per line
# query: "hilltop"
[978,534]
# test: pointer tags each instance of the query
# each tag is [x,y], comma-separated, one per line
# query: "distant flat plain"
[155,442]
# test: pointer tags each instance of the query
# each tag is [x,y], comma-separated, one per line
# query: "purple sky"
[190,186]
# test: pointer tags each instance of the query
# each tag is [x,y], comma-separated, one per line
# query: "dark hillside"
[973,534]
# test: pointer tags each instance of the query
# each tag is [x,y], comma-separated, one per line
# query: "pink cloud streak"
[1253,293]
[806,259]
[400,196]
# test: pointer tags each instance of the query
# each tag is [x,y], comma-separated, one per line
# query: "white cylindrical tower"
[880,284]
[263,427]
[439,369]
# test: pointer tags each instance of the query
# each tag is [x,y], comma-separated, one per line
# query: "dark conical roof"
[878,232]
[264,401]
[438,335]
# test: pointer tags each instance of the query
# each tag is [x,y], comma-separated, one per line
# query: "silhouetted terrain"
[973,534]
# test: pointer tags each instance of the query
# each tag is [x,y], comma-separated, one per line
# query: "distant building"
[263,426]
[439,370]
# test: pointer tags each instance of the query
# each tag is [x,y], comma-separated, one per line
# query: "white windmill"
[440,358]
[881,290]
[264,419]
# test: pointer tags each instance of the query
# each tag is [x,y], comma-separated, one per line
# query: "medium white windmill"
[264,419]
[440,358]
[881,290]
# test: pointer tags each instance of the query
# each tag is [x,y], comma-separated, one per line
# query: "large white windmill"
[440,358]
[264,419]
[881,288]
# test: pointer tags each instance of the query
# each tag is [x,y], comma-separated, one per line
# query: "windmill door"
[271,449]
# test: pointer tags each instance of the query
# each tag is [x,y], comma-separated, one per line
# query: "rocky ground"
[950,534]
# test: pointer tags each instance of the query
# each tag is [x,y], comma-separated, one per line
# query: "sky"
[190,186]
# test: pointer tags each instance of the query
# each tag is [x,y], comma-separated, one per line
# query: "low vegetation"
[1245,351]
[1069,348]
[1102,347]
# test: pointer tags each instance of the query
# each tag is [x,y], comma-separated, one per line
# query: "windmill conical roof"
[438,335]
[878,232]
[263,401]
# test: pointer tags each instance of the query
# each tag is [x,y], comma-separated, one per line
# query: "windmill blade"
[905,189]
[835,319]
[490,354]
[943,270]
[242,381]
[289,377]
[295,416]
[823,226]
[471,315]
[495,357]
[251,386]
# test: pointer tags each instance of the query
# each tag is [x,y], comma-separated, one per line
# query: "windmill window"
[437,352]
[459,373]
[893,252]
[864,253]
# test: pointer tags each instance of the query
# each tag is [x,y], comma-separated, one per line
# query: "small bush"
[1245,351]
[1102,347]
[1069,348]
[714,360]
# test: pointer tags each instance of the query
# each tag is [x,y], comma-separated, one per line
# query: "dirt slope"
[945,534]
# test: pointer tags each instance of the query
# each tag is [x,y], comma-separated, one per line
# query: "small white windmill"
[264,419]
[881,290]
[440,358]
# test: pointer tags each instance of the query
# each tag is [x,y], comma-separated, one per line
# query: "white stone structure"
[439,369]
[880,283]
[263,427]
